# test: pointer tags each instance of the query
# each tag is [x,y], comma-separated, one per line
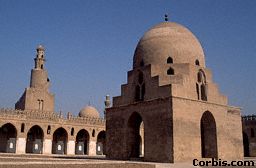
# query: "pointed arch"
[101,143]
[8,136]
[140,88]
[140,77]
[59,142]
[201,86]
[208,136]
[246,145]
[82,142]
[170,71]
[35,137]
[197,62]
[133,139]
[169,60]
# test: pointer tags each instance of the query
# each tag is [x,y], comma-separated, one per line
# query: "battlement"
[249,117]
[49,116]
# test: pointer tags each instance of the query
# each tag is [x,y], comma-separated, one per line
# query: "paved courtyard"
[60,161]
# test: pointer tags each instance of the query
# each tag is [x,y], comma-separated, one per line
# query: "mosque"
[34,127]
[170,109]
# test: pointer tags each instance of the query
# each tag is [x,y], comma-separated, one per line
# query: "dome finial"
[166,17]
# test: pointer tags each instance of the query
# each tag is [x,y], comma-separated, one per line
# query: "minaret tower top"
[39,77]
[40,59]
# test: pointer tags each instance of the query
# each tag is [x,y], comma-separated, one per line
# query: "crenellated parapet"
[249,118]
[48,116]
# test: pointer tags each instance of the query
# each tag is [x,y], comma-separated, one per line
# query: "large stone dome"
[89,111]
[168,39]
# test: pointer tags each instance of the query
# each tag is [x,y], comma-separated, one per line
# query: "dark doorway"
[101,142]
[59,142]
[35,138]
[246,145]
[82,142]
[133,135]
[8,135]
[208,136]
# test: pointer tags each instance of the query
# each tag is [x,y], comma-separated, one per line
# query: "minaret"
[37,96]
[39,77]
[107,103]
[39,60]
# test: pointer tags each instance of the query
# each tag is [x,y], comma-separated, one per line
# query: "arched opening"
[169,60]
[133,136]
[22,127]
[142,139]
[252,133]
[72,131]
[170,71]
[82,142]
[140,78]
[49,129]
[137,93]
[201,86]
[140,88]
[203,92]
[8,135]
[93,133]
[197,62]
[246,145]
[35,138]
[59,142]
[101,142]
[208,136]
[197,91]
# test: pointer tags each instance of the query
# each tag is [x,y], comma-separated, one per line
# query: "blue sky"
[90,45]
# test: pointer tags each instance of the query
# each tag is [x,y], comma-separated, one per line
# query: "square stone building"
[172,93]
[249,135]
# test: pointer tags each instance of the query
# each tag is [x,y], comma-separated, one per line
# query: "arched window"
[140,88]
[197,62]
[201,86]
[140,80]
[72,131]
[169,60]
[252,133]
[142,91]
[197,91]
[93,133]
[203,92]
[170,71]
[199,77]
[49,129]
[22,127]
[137,93]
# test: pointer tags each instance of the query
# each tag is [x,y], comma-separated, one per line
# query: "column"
[47,146]
[71,148]
[92,148]
[21,146]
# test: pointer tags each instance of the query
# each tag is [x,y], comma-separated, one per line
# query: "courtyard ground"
[60,161]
